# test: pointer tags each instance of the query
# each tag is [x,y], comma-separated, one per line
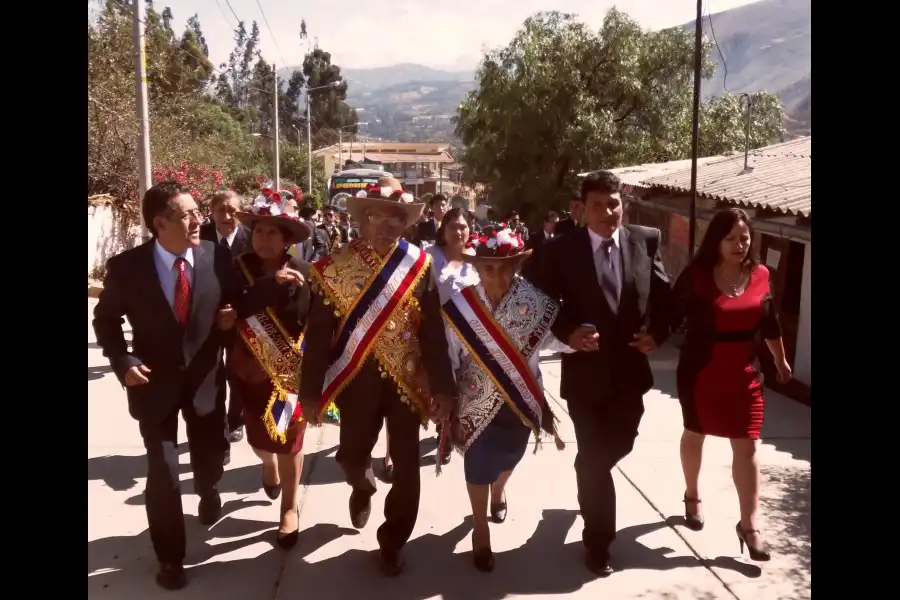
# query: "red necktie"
[182,293]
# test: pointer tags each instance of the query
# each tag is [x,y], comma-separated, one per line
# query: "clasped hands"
[586,339]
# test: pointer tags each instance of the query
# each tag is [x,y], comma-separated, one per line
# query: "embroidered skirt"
[499,448]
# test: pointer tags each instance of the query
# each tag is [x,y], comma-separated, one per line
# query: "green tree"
[561,99]
[328,109]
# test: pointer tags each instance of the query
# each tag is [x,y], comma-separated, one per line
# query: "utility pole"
[695,136]
[143,149]
[309,181]
[275,137]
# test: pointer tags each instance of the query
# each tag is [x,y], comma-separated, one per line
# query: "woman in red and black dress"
[724,300]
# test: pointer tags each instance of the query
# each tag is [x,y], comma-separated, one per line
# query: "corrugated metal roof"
[779,177]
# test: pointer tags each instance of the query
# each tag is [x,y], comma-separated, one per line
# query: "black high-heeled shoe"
[388,471]
[499,510]
[760,554]
[272,491]
[286,541]
[482,558]
[693,521]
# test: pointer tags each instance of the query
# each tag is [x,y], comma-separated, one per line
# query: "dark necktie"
[182,304]
[224,242]
[607,275]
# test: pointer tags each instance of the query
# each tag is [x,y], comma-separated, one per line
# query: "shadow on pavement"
[134,564]
[787,509]
[544,565]
[121,472]
[95,373]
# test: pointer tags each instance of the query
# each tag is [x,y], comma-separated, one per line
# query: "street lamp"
[309,90]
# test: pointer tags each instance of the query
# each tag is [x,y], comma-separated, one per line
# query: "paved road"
[538,548]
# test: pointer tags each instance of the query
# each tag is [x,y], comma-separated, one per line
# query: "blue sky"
[430,32]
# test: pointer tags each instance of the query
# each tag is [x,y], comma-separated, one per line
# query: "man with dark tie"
[615,294]
[178,293]
[426,230]
[574,220]
[228,233]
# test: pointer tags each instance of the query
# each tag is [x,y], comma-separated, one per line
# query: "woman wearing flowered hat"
[265,361]
[497,329]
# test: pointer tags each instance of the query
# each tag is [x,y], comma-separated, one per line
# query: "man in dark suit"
[426,230]
[615,295]
[574,220]
[536,243]
[178,293]
[228,233]
[336,235]
[317,245]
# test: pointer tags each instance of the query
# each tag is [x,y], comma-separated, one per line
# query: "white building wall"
[106,237]
[803,358]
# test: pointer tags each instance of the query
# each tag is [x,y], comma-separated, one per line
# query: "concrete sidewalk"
[538,549]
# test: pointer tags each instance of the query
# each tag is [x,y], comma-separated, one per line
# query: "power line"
[224,16]
[237,18]
[712,30]
[271,33]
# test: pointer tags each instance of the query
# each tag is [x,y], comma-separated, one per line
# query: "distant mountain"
[364,80]
[767,47]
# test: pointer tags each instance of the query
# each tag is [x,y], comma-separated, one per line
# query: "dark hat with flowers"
[496,242]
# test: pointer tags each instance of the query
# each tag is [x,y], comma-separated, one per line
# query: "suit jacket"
[185,362]
[535,243]
[567,274]
[317,246]
[566,226]
[322,327]
[241,243]
[425,231]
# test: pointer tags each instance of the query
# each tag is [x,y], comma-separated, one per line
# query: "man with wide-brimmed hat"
[375,344]
[497,329]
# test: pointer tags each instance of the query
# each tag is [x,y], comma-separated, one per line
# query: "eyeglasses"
[392,221]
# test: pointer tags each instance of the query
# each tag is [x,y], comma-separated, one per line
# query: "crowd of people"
[390,316]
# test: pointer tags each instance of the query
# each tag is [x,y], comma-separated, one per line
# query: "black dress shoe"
[498,512]
[236,435]
[391,562]
[598,564]
[272,491]
[170,576]
[210,508]
[360,508]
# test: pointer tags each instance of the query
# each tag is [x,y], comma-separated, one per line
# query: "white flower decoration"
[406,198]
[263,202]
[362,194]
[492,243]
[386,191]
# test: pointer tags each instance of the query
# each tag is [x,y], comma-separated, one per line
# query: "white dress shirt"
[168,274]
[615,253]
[230,237]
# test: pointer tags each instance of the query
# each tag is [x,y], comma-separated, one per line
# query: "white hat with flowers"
[268,208]
[388,192]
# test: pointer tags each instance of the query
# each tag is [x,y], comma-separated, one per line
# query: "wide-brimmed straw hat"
[268,208]
[388,192]
[496,244]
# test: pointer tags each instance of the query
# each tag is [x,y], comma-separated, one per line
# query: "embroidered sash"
[380,316]
[280,356]
[500,348]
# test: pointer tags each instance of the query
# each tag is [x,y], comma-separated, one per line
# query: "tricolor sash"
[280,356]
[500,358]
[379,314]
